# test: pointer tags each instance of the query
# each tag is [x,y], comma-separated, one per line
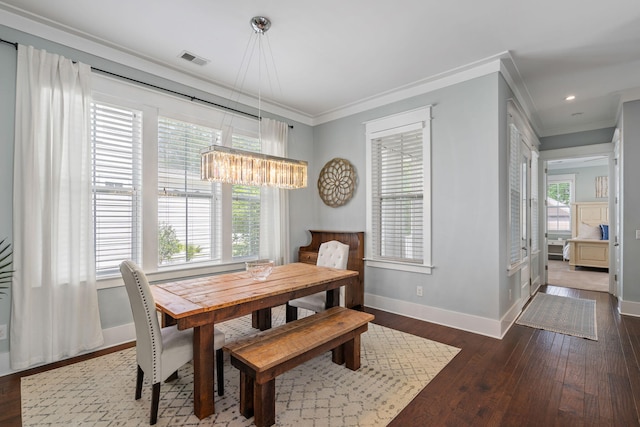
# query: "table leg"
[333,298]
[203,376]
[167,320]
[261,319]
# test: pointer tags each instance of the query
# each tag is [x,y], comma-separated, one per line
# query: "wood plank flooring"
[529,378]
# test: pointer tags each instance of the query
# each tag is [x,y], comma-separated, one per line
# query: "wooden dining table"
[200,303]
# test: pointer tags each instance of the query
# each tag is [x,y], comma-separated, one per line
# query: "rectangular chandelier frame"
[233,166]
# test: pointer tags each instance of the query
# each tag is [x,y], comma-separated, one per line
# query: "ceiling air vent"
[198,60]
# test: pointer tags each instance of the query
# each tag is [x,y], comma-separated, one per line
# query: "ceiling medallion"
[336,182]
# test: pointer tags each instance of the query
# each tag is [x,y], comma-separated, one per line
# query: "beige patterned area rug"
[100,392]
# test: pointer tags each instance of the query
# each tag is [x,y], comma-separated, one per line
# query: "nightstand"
[554,249]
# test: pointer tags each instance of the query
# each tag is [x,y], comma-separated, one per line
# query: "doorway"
[569,182]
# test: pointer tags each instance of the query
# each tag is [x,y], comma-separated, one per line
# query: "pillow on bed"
[587,231]
[604,229]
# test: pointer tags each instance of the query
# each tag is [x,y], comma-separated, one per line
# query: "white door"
[525,181]
[613,278]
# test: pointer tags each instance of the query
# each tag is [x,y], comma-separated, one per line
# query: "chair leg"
[291,313]
[155,401]
[220,371]
[139,380]
[172,377]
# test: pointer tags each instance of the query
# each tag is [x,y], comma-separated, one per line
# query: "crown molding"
[25,22]
[470,71]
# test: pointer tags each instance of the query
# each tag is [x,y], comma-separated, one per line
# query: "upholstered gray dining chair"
[159,351]
[330,254]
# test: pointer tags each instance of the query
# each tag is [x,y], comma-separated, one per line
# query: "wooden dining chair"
[330,254]
[159,351]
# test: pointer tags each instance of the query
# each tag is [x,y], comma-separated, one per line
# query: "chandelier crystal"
[232,166]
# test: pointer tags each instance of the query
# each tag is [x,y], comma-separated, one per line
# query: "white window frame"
[154,104]
[134,192]
[386,126]
[519,134]
[571,179]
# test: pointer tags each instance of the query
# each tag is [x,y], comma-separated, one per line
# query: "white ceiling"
[332,56]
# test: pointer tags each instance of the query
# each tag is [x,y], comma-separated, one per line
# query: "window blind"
[245,224]
[515,223]
[116,161]
[397,196]
[535,246]
[188,208]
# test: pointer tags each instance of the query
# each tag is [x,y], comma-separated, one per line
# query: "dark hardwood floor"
[529,378]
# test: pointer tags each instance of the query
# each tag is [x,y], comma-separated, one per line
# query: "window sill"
[400,266]
[171,273]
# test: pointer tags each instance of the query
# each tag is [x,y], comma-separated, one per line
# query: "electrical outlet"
[3,332]
[419,291]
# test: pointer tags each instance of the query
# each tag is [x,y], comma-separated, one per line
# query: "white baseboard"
[112,337]
[629,308]
[511,316]
[466,322]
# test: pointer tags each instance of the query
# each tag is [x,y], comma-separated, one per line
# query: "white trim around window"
[153,105]
[398,150]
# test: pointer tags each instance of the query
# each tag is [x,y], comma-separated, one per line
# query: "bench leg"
[337,355]
[246,395]
[352,353]
[264,401]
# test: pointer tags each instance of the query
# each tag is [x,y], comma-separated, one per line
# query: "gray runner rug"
[565,315]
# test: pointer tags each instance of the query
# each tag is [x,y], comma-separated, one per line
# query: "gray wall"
[631,201]
[598,136]
[466,197]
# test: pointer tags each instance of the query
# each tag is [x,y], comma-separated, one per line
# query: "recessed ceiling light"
[570,98]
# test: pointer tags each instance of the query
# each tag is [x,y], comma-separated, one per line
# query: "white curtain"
[274,202]
[54,298]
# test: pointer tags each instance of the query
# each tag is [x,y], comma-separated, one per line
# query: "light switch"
[638,234]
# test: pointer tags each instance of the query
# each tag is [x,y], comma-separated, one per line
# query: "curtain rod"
[192,98]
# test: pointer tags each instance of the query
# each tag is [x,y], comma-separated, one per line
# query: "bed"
[589,244]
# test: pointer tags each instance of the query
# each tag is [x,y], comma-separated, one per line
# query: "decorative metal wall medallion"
[337,182]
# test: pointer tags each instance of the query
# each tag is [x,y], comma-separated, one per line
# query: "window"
[515,194]
[246,209]
[116,157]
[522,231]
[398,204]
[560,195]
[150,204]
[535,244]
[188,208]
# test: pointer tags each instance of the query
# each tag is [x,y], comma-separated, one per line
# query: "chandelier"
[233,166]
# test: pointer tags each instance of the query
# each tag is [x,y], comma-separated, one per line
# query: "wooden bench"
[266,355]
